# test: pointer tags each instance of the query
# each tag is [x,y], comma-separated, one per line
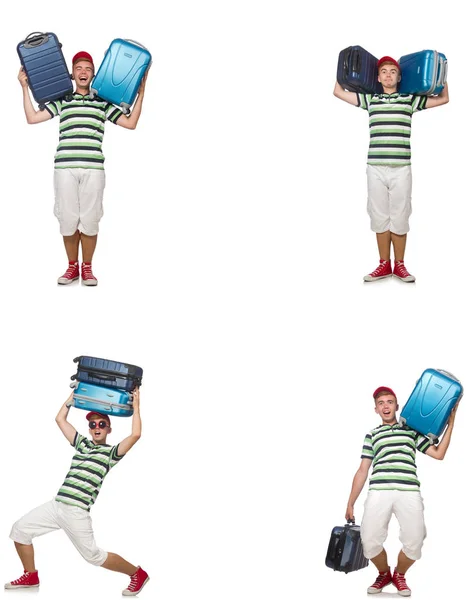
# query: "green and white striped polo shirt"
[89,466]
[82,125]
[392,450]
[390,126]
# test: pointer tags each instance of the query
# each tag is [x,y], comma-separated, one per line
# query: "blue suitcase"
[423,73]
[116,403]
[357,71]
[118,77]
[42,59]
[108,373]
[345,551]
[430,403]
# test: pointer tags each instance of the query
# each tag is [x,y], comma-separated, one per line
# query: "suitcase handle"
[357,62]
[448,374]
[35,39]
[346,55]
[443,69]
[135,42]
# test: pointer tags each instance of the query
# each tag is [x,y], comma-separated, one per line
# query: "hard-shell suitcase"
[423,73]
[345,549]
[118,77]
[42,59]
[116,403]
[108,373]
[357,71]
[430,403]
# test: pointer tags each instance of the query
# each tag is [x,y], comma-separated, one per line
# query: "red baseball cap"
[100,415]
[383,389]
[83,56]
[390,60]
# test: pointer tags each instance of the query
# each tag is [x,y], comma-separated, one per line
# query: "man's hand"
[136,398]
[142,85]
[70,402]
[23,78]
[349,513]
[451,418]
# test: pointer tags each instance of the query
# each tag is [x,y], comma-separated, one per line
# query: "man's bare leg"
[115,562]
[383,243]
[72,246]
[403,563]
[26,555]
[380,561]
[399,245]
[88,244]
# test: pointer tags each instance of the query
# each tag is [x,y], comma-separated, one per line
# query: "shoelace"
[134,582]
[21,579]
[70,272]
[379,269]
[402,269]
[379,580]
[87,272]
[400,579]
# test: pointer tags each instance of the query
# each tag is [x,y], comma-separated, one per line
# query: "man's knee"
[96,557]
[18,534]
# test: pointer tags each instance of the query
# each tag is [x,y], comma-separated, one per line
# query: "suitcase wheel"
[41,107]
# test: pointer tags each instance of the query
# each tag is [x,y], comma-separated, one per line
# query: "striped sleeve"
[364,100]
[367,448]
[418,103]
[422,443]
[114,457]
[112,113]
[54,108]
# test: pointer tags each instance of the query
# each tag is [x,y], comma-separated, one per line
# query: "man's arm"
[32,115]
[442,98]
[129,442]
[439,451]
[358,483]
[350,97]
[67,429]
[131,121]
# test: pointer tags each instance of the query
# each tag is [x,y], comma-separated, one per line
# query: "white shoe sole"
[128,593]
[63,281]
[410,279]
[90,282]
[369,278]
[8,586]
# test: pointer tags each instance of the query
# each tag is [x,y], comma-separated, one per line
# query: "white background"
[230,267]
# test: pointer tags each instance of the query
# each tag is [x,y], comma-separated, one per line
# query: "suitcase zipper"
[83,398]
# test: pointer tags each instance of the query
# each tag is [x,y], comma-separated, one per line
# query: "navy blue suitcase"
[108,373]
[345,549]
[431,402]
[43,61]
[357,71]
[117,403]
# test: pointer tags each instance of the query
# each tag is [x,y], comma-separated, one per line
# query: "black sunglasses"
[101,424]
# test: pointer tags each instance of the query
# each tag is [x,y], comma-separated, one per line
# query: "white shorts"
[53,515]
[79,195]
[389,198]
[407,507]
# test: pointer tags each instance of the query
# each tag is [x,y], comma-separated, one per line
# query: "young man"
[79,177]
[393,489]
[389,163]
[70,508]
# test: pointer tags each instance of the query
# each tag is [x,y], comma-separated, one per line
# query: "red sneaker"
[401,272]
[25,581]
[138,581]
[382,580]
[399,582]
[87,275]
[383,270]
[70,275]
